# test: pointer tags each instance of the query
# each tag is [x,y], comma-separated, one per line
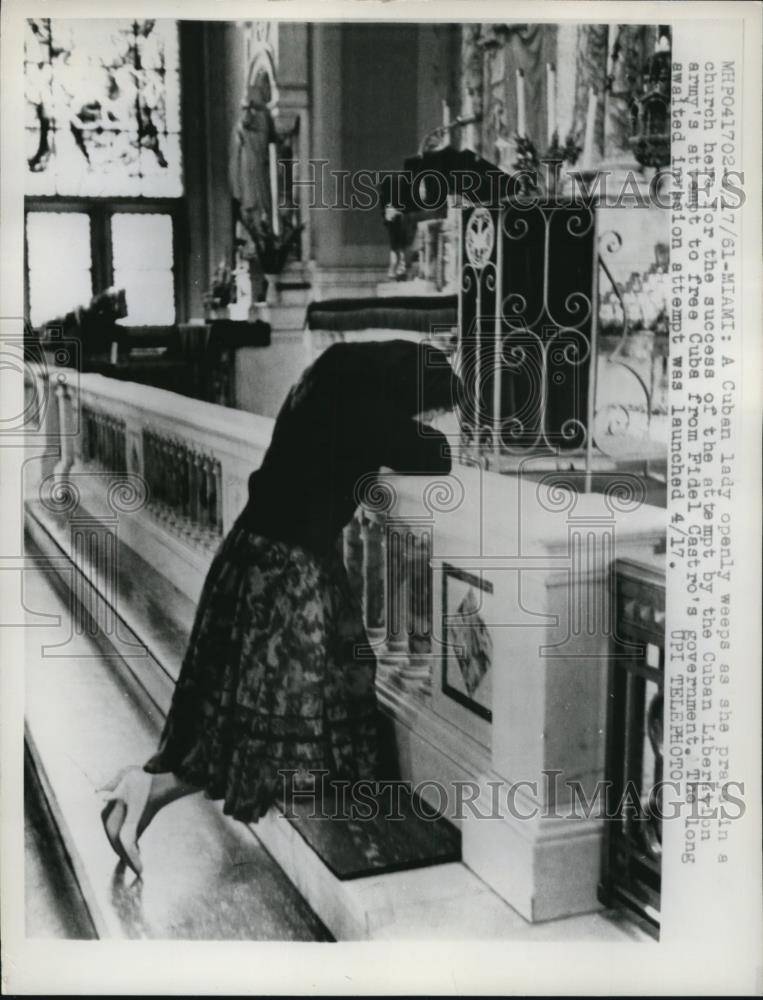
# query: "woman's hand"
[446,422]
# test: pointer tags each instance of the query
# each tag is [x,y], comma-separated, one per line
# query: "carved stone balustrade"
[103,440]
[187,463]
[389,568]
[184,487]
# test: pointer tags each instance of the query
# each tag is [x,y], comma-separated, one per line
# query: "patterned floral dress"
[277,683]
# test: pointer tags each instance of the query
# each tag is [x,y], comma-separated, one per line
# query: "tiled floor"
[205,877]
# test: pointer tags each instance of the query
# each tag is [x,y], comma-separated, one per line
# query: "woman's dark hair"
[406,376]
[419,377]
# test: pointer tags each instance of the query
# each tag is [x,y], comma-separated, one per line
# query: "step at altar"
[373,832]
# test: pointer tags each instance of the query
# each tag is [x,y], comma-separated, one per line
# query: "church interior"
[208,206]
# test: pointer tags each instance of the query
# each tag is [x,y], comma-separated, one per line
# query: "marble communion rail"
[487,599]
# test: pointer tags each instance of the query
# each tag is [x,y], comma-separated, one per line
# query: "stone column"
[398,598]
[416,673]
[566,41]
[472,84]
[590,71]
[66,425]
[294,119]
[46,384]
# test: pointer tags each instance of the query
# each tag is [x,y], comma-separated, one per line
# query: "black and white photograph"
[381,462]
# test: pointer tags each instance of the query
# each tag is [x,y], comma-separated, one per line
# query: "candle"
[551,101]
[114,356]
[274,187]
[590,125]
[445,135]
[521,123]
[469,139]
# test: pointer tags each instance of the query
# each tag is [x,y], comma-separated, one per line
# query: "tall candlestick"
[590,127]
[521,122]
[551,101]
[273,169]
[445,135]
[469,139]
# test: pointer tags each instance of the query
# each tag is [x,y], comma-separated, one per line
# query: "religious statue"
[251,182]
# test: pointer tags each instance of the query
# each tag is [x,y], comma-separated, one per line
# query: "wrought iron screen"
[552,366]
[528,288]
[631,869]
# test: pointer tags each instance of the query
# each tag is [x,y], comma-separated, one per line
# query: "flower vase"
[272,296]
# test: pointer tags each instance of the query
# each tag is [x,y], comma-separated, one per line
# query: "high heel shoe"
[125,805]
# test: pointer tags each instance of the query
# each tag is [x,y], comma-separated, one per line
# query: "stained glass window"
[58,252]
[102,107]
[142,256]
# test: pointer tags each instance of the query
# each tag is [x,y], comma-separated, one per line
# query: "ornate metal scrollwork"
[531,312]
